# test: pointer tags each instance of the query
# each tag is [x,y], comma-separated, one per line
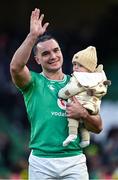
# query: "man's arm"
[92,122]
[18,69]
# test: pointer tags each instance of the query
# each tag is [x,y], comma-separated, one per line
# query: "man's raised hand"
[36,26]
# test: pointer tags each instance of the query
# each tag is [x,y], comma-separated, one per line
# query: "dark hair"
[42,38]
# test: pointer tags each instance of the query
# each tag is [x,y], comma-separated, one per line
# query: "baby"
[88,84]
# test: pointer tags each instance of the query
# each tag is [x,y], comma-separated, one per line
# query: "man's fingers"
[45,25]
[41,17]
[35,14]
[74,99]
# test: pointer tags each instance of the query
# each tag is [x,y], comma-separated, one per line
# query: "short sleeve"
[29,85]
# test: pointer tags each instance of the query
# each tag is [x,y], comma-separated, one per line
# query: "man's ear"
[37,59]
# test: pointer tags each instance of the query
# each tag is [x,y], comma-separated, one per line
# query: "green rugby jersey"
[46,113]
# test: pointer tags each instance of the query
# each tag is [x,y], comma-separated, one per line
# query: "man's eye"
[45,53]
[56,50]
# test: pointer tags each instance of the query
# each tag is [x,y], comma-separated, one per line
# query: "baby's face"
[79,68]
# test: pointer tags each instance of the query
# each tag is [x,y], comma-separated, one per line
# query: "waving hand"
[37,27]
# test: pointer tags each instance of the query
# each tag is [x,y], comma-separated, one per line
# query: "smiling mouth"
[53,62]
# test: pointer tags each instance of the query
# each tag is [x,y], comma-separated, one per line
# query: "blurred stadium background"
[76,24]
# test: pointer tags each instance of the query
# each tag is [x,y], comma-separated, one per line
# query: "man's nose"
[53,55]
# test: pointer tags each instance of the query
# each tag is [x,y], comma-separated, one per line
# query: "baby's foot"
[69,139]
[83,144]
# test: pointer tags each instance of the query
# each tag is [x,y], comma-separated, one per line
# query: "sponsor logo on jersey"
[62,114]
[61,103]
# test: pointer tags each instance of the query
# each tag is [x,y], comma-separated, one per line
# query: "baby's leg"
[85,137]
[73,131]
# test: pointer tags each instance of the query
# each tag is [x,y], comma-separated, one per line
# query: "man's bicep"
[21,78]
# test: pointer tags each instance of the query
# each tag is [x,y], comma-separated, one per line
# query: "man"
[46,113]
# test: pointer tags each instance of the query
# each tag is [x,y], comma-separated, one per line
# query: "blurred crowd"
[14,127]
[102,156]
